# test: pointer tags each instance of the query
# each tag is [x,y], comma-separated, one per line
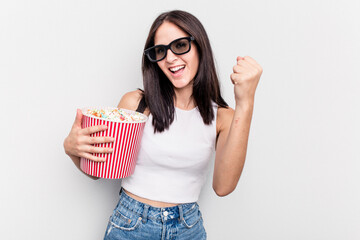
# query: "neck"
[183,98]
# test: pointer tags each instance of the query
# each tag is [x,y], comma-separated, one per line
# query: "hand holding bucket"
[127,134]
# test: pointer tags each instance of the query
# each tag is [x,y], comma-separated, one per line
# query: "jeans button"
[166,213]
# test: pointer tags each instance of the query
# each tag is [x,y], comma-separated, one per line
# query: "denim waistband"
[147,211]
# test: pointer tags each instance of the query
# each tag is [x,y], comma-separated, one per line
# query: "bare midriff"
[150,202]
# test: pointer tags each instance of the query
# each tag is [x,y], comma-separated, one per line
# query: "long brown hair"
[159,91]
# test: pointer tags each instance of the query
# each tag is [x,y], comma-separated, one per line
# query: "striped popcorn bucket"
[121,162]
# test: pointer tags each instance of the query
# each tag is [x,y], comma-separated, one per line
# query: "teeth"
[174,69]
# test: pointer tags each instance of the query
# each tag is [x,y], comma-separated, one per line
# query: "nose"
[170,56]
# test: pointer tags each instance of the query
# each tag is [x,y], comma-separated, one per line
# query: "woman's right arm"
[79,143]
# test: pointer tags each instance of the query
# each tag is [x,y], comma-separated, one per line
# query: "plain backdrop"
[301,176]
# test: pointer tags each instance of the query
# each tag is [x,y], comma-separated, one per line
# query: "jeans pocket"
[192,217]
[125,220]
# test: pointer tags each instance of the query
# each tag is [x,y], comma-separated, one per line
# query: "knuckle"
[77,133]
[98,139]
[104,150]
[92,149]
[84,131]
[77,142]
[65,143]
[92,140]
[77,148]
[234,68]
[98,150]
[89,130]
[238,77]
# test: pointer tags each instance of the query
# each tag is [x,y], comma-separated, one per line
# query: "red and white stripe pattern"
[121,162]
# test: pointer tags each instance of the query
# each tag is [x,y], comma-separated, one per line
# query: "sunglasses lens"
[180,46]
[157,53]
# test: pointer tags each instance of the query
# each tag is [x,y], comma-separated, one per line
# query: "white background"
[301,177]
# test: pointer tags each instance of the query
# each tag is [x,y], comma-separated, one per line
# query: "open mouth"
[177,69]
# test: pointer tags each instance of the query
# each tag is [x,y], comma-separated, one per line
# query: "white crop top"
[172,165]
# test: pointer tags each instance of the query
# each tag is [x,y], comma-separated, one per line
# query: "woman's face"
[179,69]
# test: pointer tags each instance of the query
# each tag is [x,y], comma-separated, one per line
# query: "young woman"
[188,119]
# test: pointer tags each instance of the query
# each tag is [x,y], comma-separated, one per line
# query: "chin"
[180,83]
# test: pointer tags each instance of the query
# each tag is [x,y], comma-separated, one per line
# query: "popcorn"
[115,114]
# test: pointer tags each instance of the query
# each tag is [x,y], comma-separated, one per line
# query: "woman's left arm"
[234,127]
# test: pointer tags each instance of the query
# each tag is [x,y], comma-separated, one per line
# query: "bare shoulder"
[224,118]
[130,100]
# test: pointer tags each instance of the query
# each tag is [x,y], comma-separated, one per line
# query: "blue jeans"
[134,220]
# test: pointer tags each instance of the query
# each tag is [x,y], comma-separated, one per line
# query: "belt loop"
[145,212]
[181,212]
